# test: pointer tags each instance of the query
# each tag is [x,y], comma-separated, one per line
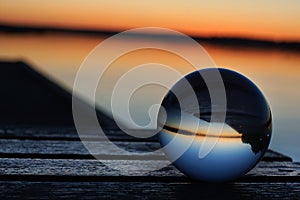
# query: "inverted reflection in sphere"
[236,149]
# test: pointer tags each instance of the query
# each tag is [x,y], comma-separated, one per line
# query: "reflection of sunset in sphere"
[243,140]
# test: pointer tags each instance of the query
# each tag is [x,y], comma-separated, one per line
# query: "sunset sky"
[277,20]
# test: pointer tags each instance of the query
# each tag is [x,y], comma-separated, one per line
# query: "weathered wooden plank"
[147,190]
[59,149]
[65,133]
[89,170]
[75,147]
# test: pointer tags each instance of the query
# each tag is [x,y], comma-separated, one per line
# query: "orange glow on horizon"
[271,20]
[200,138]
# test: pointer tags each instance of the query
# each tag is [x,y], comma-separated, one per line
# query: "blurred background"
[260,39]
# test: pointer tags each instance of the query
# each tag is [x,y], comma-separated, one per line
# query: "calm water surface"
[276,72]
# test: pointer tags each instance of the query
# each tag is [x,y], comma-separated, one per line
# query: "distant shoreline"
[226,41]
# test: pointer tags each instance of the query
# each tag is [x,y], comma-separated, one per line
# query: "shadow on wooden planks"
[29,98]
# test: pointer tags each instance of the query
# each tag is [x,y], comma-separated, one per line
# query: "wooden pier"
[44,158]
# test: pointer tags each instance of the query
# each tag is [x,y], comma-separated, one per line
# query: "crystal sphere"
[241,141]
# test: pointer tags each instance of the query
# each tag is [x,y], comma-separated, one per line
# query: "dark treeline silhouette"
[227,41]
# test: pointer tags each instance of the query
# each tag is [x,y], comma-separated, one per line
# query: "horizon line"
[219,40]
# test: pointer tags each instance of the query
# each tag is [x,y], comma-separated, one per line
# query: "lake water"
[276,72]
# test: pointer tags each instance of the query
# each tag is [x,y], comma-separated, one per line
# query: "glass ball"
[244,135]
